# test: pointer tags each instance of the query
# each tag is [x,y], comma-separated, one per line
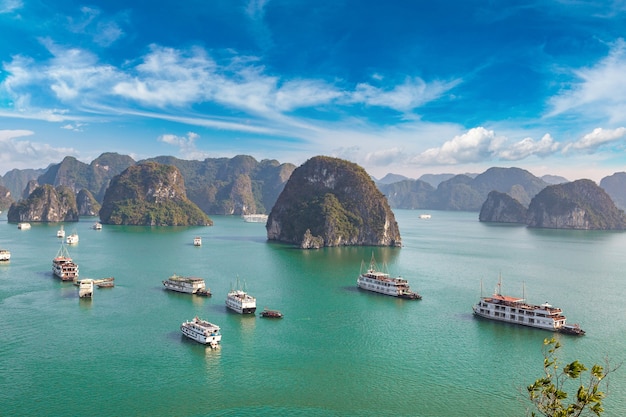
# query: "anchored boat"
[382,283]
[202,331]
[240,301]
[515,310]
[190,285]
[63,266]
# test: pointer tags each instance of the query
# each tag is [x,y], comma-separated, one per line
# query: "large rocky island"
[150,194]
[332,202]
[575,205]
[45,204]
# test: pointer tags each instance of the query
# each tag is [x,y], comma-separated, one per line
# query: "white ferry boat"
[188,285]
[425,216]
[97,226]
[63,266]
[72,239]
[240,301]
[381,282]
[85,288]
[202,331]
[5,255]
[61,233]
[517,311]
[23,226]
[197,241]
[255,218]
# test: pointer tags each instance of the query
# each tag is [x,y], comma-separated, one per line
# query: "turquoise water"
[338,351]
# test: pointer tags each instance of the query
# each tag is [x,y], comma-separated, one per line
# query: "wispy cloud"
[599,90]
[9,6]
[413,93]
[104,30]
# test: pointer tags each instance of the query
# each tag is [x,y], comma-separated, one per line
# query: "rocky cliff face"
[87,204]
[45,204]
[332,202]
[576,205]
[5,198]
[502,208]
[150,194]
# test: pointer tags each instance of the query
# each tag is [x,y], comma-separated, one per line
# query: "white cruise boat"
[255,218]
[63,266]
[61,232]
[85,288]
[23,226]
[97,226]
[197,241]
[72,239]
[5,255]
[188,285]
[517,311]
[202,331]
[240,301]
[382,283]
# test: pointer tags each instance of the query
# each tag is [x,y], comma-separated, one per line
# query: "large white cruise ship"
[240,301]
[380,282]
[517,311]
[63,266]
[184,284]
[202,331]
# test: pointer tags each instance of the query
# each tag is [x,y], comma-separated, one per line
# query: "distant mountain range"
[242,185]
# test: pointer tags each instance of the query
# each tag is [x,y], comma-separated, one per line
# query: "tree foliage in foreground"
[549,394]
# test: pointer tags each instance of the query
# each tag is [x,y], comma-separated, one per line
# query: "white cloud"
[21,154]
[528,147]
[598,91]
[413,93]
[9,6]
[478,144]
[598,137]
[385,157]
[186,144]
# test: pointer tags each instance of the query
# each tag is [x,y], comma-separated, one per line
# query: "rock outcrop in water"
[332,202]
[45,204]
[575,205]
[150,194]
[502,208]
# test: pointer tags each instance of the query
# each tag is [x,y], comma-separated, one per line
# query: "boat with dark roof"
[190,285]
[63,266]
[516,310]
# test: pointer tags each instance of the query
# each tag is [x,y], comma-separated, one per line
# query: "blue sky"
[408,87]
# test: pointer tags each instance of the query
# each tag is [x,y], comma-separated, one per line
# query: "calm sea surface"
[338,351]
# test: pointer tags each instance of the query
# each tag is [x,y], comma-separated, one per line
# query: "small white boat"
[23,226]
[424,216]
[240,301]
[381,282]
[5,255]
[61,232]
[85,288]
[255,218]
[197,241]
[72,239]
[202,331]
[97,226]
